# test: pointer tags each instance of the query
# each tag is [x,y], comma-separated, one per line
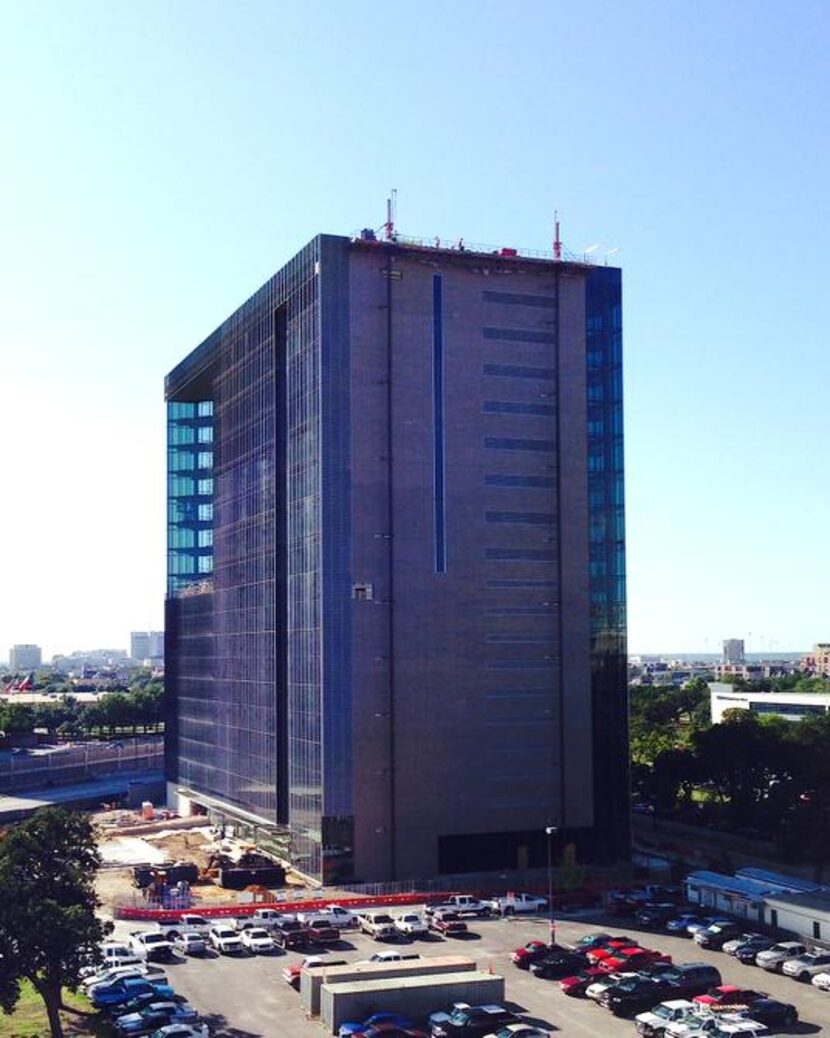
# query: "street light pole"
[549,831]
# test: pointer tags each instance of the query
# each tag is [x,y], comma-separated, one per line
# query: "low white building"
[805,915]
[792,705]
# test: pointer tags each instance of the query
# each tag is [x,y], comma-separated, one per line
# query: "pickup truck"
[450,924]
[320,931]
[154,947]
[516,904]
[225,939]
[652,1024]
[267,918]
[334,915]
[464,1021]
[290,934]
[464,904]
[411,924]
[379,925]
[186,921]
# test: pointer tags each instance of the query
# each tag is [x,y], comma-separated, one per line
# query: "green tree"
[48,926]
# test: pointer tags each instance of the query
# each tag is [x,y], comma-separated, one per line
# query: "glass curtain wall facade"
[246,588]
[606,535]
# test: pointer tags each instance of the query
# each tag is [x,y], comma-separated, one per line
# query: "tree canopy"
[48,926]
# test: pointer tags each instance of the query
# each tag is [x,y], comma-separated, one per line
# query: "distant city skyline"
[148,187]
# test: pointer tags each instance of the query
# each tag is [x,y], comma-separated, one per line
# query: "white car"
[517,904]
[822,981]
[518,1031]
[596,988]
[113,954]
[225,940]
[805,967]
[190,942]
[652,1024]
[196,1030]
[107,976]
[152,946]
[773,958]
[257,940]
[411,923]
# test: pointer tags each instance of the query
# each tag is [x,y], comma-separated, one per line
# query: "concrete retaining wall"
[312,980]
[413,996]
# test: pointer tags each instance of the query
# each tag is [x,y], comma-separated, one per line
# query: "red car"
[596,955]
[633,959]
[575,986]
[448,923]
[530,952]
[728,995]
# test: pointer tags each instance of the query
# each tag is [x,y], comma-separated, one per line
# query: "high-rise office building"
[733,651]
[147,645]
[396,590]
[25,657]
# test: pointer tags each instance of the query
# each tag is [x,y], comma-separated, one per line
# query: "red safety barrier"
[163,915]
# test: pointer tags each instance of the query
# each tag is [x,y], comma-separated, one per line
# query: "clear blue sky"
[161,160]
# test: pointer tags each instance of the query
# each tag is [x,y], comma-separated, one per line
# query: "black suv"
[634,995]
[655,915]
[688,979]
[470,1022]
[559,964]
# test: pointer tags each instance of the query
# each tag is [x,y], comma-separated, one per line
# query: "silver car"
[773,958]
[190,942]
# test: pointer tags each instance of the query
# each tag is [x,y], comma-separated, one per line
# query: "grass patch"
[29,1019]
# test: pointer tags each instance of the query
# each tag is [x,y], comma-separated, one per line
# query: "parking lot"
[246,997]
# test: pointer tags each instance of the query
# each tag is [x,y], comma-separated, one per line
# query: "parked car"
[450,924]
[655,915]
[595,989]
[558,964]
[688,979]
[321,933]
[680,922]
[258,941]
[530,952]
[124,990]
[576,985]
[805,967]
[113,953]
[290,934]
[634,959]
[193,1030]
[156,1015]
[187,921]
[153,947]
[516,904]
[747,952]
[379,925]
[411,924]
[465,1021]
[332,915]
[716,935]
[732,945]
[395,1019]
[728,995]
[704,923]
[225,940]
[653,1022]
[592,941]
[519,1031]
[772,1013]
[135,1005]
[189,942]
[291,974]
[635,995]
[606,951]
[822,981]
[773,958]
[268,918]
[121,973]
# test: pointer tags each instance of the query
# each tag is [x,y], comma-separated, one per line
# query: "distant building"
[733,650]
[821,658]
[25,657]
[147,645]
[792,705]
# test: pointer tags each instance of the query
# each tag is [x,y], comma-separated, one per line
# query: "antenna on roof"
[391,205]
[557,244]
